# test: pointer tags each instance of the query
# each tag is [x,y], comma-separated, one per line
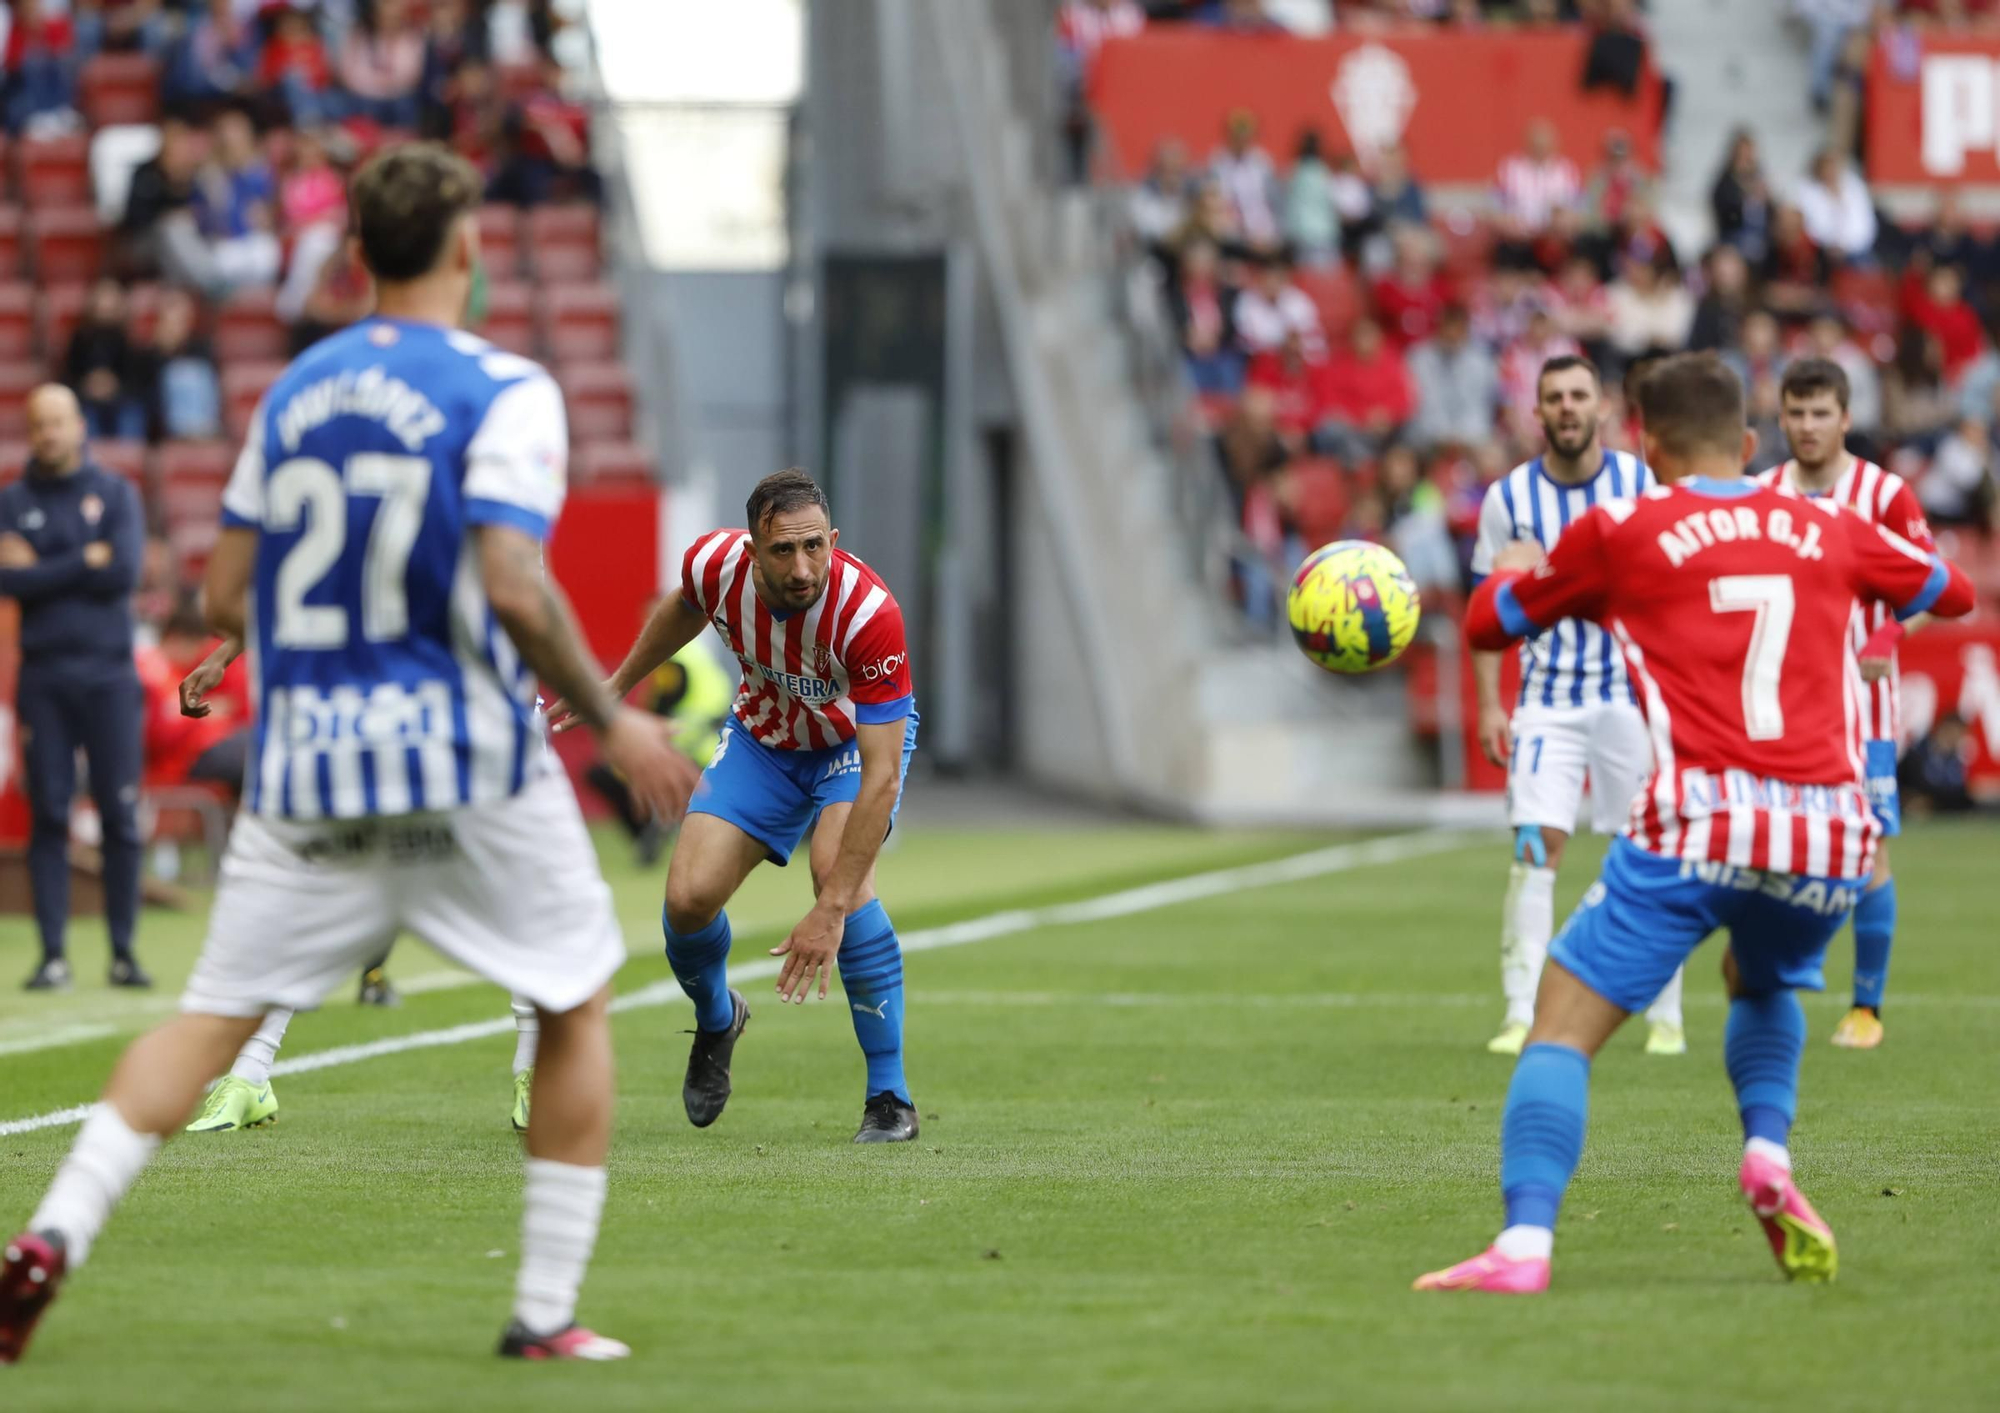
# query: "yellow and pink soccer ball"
[1353,607]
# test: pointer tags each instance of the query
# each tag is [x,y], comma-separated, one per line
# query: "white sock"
[253,1061]
[106,1160]
[558,1230]
[1527,923]
[1666,1007]
[527,1034]
[1522,1243]
[1765,1148]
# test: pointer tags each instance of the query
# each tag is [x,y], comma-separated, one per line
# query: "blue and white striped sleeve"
[243,497]
[517,464]
[1496,528]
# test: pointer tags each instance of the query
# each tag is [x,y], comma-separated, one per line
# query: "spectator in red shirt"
[294,67]
[40,84]
[1616,181]
[1411,297]
[1369,396]
[545,148]
[1941,311]
[1794,271]
[1300,388]
[180,749]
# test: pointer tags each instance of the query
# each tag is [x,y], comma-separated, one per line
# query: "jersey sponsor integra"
[1883,498]
[383,683]
[1575,663]
[1732,602]
[809,677]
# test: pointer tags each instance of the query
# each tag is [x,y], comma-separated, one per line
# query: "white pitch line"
[55,1039]
[1338,858]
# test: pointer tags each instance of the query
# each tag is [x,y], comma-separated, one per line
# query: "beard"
[1570,442]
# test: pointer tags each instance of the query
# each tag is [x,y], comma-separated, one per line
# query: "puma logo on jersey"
[1725,525]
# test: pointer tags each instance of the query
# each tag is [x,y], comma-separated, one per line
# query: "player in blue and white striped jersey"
[1576,712]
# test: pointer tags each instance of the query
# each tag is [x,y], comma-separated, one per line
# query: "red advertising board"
[1457,101]
[1934,109]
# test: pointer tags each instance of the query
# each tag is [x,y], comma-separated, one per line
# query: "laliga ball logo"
[1353,607]
[1374,96]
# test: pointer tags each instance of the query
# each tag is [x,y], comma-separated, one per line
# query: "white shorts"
[510,890]
[1552,750]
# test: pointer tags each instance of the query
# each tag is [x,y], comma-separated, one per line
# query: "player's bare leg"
[1861,1027]
[152,1091]
[1527,923]
[1541,1137]
[711,859]
[569,1134]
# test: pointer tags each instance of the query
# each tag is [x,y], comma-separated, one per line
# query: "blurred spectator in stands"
[1958,488]
[1301,396]
[40,62]
[1244,173]
[382,64]
[1394,194]
[1502,305]
[235,197]
[1794,273]
[1718,318]
[1617,55]
[1211,218]
[1839,213]
[452,38]
[1741,199]
[1827,338]
[1581,306]
[120,26]
[1369,396]
[1204,309]
[338,293]
[215,56]
[1312,214]
[183,391]
[1411,296]
[1939,307]
[1082,27]
[1354,200]
[98,367]
[1948,240]
[1760,362]
[1617,180]
[1531,186]
[1273,306]
[1161,201]
[157,232]
[1520,371]
[1419,530]
[1367,515]
[1239,16]
[1932,776]
[1458,385]
[1917,406]
[545,148]
[478,115]
[1651,310]
[294,69]
[210,749]
[1829,22]
[312,192]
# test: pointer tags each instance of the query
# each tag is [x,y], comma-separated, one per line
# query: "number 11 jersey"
[383,684]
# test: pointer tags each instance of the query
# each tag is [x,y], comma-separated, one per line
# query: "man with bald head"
[71,538]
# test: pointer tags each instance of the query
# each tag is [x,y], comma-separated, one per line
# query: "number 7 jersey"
[1731,602]
[383,684]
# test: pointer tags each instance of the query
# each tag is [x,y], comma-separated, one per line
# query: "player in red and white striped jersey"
[1732,601]
[820,737]
[1813,403]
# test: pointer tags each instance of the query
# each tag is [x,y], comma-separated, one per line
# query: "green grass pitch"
[1188,1158]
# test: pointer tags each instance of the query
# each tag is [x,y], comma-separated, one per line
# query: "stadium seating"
[52,171]
[17,380]
[563,242]
[580,323]
[247,328]
[500,241]
[67,243]
[127,459]
[600,401]
[602,463]
[510,317]
[242,385]
[12,242]
[17,322]
[120,88]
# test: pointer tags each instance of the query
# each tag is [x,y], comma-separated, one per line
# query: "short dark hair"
[405,201]
[1692,403]
[1808,377]
[1562,363]
[781,492]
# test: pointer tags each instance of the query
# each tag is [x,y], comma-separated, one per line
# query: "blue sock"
[1874,933]
[871,970]
[1541,1134]
[701,965]
[1762,1046]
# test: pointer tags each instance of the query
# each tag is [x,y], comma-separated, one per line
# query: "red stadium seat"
[17,380]
[68,243]
[500,240]
[61,306]
[597,463]
[1336,294]
[127,459]
[17,322]
[11,241]
[120,88]
[1318,496]
[580,322]
[562,243]
[188,478]
[600,402]
[247,328]
[53,171]
[242,385]
[510,318]
[13,461]
[142,309]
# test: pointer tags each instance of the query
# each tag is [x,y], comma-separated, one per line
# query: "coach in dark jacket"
[71,539]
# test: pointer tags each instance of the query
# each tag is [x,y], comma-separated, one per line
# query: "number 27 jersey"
[383,684]
[1731,602]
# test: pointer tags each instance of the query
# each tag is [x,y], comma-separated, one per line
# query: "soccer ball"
[1353,607]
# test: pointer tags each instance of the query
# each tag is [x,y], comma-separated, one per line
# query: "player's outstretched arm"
[537,618]
[207,676]
[671,626]
[225,588]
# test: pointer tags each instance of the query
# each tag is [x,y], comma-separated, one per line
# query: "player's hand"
[562,716]
[1519,556]
[15,552]
[197,685]
[640,747]
[810,951]
[1494,736]
[1874,669]
[97,554]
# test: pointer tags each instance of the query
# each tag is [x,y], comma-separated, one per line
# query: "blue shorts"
[1646,914]
[775,796]
[1882,796]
